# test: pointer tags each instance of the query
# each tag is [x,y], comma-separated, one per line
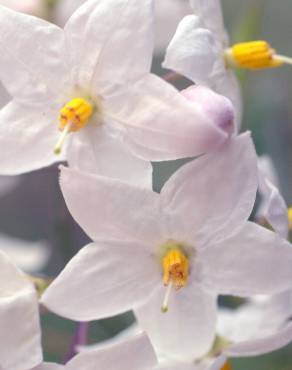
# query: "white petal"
[190,321]
[97,205]
[266,166]
[49,366]
[199,201]
[102,42]
[19,319]
[135,353]
[28,135]
[272,207]
[161,124]
[261,346]
[33,53]
[103,151]
[110,277]
[253,260]
[28,256]
[227,84]
[64,9]
[193,51]
[211,13]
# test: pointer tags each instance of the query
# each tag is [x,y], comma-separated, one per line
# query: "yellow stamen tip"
[226,366]
[290,217]
[57,151]
[252,55]
[164,309]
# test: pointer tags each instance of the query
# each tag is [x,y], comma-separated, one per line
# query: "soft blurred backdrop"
[32,208]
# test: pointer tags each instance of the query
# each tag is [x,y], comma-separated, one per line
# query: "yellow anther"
[73,116]
[226,366]
[175,268]
[76,113]
[253,55]
[290,217]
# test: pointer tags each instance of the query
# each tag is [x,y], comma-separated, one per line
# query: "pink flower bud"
[216,106]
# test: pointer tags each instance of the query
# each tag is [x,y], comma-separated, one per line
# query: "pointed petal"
[190,320]
[111,277]
[272,207]
[100,32]
[193,51]
[103,152]
[261,346]
[35,58]
[211,13]
[135,353]
[18,309]
[161,124]
[136,214]
[28,135]
[200,202]
[253,260]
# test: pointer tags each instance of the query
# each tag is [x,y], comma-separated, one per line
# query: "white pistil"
[283,59]
[164,307]
[60,143]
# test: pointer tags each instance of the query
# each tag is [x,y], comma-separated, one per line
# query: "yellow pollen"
[175,272]
[73,116]
[290,217]
[226,366]
[253,55]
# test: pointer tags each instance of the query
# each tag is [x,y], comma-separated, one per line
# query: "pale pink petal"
[211,13]
[97,205]
[19,319]
[190,321]
[104,49]
[49,366]
[32,52]
[257,347]
[161,124]
[253,260]
[28,135]
[193,51]
[213,194]
[135,353]
[102,151]
[111,277]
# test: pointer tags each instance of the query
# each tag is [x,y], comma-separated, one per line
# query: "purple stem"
[79,339]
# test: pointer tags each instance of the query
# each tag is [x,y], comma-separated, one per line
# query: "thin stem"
[283,58]
[60,143]
[164,307]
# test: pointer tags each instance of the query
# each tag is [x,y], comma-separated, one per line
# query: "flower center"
[175,271]
[73,116]
[254,55]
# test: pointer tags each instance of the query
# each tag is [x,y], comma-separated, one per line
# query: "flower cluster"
[85,95]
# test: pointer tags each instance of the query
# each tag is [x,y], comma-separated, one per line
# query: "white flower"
[135,353]
[199,50]
[168,13]
[94,78]
[194,237]
[19,319]
[272,207]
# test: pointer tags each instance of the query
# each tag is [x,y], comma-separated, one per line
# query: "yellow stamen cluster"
[76,113]
[290,217]
[226,366]
[252,55]
[175,268]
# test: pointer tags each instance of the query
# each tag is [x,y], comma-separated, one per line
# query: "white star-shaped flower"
[177,250]
[91,82]
[20,334]
[200,51]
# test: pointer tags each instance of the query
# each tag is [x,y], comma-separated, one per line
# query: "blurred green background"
[35,209]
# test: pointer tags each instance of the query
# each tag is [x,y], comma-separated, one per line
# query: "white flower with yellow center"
[86,93]
[169,255]
[199,50]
